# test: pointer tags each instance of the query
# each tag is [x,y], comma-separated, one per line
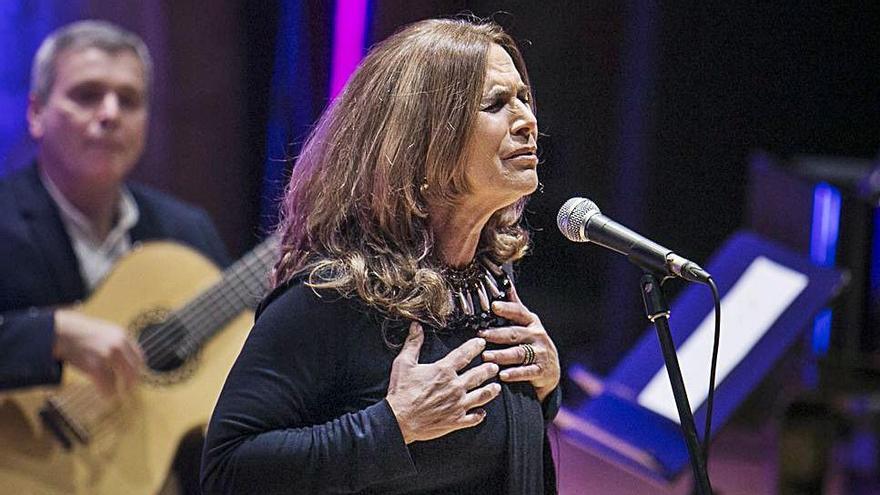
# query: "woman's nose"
[525,123]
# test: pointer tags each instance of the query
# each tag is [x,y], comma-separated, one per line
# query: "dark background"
[652,110]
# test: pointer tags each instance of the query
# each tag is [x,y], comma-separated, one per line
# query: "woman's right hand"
[432,400]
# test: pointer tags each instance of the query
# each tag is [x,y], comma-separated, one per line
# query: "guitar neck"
[241,287]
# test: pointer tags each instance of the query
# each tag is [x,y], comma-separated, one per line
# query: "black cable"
[711,398]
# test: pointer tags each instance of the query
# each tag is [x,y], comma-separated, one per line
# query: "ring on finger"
[529,357]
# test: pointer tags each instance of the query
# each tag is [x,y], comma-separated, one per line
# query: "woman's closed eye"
[496,105]
[501,101]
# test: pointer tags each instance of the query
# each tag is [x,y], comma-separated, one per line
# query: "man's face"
[92,127]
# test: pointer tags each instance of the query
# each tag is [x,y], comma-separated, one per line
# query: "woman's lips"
[525,160]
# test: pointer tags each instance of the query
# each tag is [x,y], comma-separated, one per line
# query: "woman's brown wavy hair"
[354,218]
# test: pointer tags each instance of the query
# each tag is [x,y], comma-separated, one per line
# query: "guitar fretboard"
[241,287]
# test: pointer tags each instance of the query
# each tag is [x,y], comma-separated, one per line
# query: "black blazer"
[39,269]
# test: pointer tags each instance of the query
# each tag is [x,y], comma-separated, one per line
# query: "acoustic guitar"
[191,321]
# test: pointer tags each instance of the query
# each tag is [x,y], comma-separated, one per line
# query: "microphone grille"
[573,217]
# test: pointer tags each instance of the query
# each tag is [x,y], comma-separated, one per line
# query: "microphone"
[580,220]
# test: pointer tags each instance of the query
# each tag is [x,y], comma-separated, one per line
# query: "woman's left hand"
[525,328]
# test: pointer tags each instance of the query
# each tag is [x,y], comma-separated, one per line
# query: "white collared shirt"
[96,256]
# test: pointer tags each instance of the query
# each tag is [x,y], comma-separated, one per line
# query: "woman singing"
[394,355]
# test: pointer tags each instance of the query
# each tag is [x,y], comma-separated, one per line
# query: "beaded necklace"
[472,290]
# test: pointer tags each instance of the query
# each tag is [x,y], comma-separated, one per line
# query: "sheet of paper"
[748,311]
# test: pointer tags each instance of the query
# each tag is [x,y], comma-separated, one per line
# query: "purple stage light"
[349,29]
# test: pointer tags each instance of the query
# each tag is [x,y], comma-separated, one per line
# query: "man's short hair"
[81,35]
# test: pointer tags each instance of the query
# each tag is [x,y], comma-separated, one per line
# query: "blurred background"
[686,121]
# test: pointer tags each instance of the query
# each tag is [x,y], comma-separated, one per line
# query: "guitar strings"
[82,401]
[256,263]
[193,316]
[191,319]
[193,330]
[198,328]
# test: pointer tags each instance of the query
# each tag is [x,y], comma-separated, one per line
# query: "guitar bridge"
[61,426]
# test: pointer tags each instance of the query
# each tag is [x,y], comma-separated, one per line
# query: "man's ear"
[35,116]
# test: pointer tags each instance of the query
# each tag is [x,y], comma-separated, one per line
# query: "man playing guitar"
[68,217]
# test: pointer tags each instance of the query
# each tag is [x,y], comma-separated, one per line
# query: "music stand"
[769,296]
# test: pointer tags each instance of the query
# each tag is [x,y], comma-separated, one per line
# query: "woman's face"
[501,159]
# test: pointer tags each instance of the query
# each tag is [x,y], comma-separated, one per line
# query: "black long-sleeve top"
[303,411]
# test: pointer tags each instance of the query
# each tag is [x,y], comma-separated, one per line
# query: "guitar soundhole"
[166,346]
[169,349]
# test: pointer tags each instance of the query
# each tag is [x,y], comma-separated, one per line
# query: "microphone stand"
[657,311]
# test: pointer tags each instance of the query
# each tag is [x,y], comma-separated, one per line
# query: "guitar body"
[133,445]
